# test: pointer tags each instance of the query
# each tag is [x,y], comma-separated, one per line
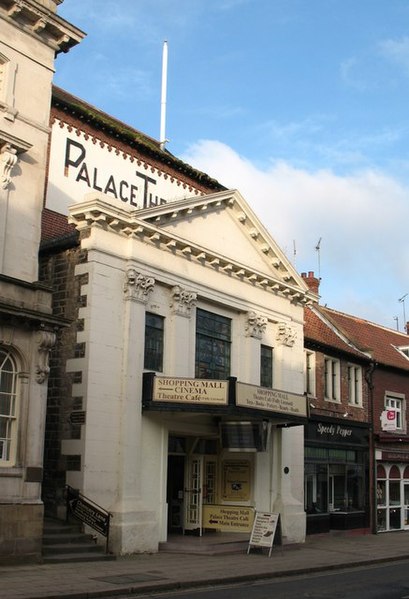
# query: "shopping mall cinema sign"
[80,164]
[191,391]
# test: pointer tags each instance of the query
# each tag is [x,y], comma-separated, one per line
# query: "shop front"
[221,465]
[392,490]
[336,476]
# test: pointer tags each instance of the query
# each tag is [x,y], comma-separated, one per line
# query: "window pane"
[153,358]
[394,493]
[8,382]
[213,333]
[266,366]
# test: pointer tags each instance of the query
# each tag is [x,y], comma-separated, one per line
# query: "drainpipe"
[372,460]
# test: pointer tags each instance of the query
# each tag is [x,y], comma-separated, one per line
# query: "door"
[194,493]
[406,505]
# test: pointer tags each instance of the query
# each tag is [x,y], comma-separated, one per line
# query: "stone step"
[66,558]
[64,538]
[83,547]
[65,542]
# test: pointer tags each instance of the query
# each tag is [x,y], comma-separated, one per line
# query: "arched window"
[8,407]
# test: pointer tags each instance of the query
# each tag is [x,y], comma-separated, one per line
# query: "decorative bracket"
[286,335]
[138,287]
[182,301]
[8,159]
[46,341]
[256,325]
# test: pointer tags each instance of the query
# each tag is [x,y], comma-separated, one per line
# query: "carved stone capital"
[46,341]
[255,325]
[182,301]
[286,334]
[8,159]
[138,287]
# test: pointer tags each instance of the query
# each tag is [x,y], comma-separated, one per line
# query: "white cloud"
[397,50]
[362,219]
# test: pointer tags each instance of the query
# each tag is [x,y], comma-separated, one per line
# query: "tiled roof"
[86,113]
[379,341]
[318,331]
[54,226]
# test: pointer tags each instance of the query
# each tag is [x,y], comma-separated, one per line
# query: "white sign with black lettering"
[80,163]
[263,532]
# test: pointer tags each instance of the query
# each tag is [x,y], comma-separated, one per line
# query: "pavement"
[159,572]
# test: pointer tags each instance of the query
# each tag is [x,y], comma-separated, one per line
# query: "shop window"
[354,385]
[381,492]
[154,330]
[213,341]
[266,366]
[8,408]
[309,382]
[332,379]
[316,488]
[355,499]
[381,520]
[394,492]
[396,403]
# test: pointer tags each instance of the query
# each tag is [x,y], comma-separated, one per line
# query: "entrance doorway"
[175,493]
[191,483]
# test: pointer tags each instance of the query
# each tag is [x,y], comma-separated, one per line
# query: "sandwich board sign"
[264,529]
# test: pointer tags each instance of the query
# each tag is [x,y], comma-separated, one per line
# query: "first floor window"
[354,385]
[8,406]
[331,379]
[213,340]
[154,327]
[395,403]
[266,366]
[310,372]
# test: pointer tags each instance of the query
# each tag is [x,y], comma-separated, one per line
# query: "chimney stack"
[312,281]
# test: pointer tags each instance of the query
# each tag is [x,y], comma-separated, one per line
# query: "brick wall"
[58,271]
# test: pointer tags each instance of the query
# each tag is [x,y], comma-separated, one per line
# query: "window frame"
[399,407]
[354,385]
[332,382]
[153,361]
[213,339]
[8,442]
[266,366]
[310,373]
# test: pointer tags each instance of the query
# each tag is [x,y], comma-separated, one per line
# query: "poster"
[264,529]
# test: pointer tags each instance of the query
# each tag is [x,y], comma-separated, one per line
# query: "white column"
[288,479]
[134,526]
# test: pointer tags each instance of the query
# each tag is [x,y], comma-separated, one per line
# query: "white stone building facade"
[31,35]
[189,294]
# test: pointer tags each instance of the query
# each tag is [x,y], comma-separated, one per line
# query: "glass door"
[406,505]
[194,494]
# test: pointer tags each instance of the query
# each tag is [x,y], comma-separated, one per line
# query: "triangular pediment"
[225,224]
[219,231]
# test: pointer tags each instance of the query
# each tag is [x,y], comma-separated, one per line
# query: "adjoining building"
[177,393]
[31,35]
[388,416]
[357,443]
[337,437]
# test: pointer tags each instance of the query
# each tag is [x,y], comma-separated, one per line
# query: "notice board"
[263,531]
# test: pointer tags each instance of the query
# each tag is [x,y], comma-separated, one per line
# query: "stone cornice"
[34,18]
[97,213]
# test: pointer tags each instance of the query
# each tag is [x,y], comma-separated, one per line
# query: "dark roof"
[375,339]
[116,129]
[317,331]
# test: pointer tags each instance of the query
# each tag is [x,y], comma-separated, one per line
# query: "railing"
[88,512]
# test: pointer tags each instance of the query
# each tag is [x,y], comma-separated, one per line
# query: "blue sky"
[301,105]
